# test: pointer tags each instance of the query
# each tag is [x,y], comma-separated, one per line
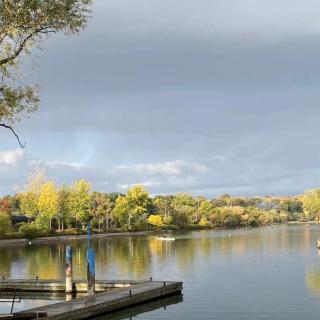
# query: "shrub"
[5,223]
[204,222]
[42,222]
[30,230]
[156,220]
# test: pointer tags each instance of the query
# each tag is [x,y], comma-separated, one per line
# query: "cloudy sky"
[201,96]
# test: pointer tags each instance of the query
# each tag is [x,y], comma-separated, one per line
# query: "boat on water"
[164,238]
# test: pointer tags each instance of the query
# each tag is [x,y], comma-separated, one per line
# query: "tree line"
[49,207]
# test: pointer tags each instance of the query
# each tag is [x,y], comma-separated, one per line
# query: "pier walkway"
[100,303]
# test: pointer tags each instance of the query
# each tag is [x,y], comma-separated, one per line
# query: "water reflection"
[138,257]
[313,280]
[265,263]
[129,313]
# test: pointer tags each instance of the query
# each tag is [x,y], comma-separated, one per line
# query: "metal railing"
[16,298]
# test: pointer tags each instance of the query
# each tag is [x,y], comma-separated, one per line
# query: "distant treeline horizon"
[51,208]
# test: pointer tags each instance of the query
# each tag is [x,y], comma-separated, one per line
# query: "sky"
[199,96]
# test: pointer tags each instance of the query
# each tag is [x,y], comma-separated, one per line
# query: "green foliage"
[205,208]
[137,210]
[81,201]
[5,222]
[311,204]
[29,203]
[102,209]
[30,231]
[184,209]
[131,211]
[63,209]
[121,211]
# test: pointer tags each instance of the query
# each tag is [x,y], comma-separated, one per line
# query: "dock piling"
[69,277]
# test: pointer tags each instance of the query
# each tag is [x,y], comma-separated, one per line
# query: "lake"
[263,273]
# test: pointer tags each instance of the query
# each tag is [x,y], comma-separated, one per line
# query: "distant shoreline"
[56,238]
[9,242]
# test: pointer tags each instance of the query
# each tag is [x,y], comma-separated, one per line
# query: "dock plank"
[100,303]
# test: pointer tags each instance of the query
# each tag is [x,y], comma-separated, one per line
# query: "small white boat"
[164,238]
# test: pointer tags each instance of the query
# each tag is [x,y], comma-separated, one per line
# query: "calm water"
[265,273]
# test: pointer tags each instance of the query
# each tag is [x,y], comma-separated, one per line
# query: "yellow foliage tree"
[156,220]
[48,201]
[30,197]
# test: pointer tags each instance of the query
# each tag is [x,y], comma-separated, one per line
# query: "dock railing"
[16,298]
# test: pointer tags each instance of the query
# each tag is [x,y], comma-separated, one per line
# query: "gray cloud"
[231,87]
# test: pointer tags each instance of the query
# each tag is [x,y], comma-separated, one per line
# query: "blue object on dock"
[91,271]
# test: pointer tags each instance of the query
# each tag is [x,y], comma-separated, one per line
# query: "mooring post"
[90,272]
[69,280]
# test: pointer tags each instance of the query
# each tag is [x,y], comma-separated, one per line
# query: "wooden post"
[90,272]
[69,280]
[318,246]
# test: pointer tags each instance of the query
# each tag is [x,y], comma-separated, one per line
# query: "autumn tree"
[102,208]
[138,205]
[63,207]
[23,26]
[121,211]
[205,208]
[163,206]
[184,206]
[29,198]
[311,204]
[47,204]
[5,216]
[81,202]
[132,210]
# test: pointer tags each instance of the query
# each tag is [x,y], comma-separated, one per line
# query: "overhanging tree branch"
[23,25]
[22,145]
[19,49]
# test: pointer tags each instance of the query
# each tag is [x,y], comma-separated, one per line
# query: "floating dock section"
[106,302]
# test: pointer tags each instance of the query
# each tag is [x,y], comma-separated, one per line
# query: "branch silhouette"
[22,145]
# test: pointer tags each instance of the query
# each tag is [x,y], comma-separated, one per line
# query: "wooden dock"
[101,303]
[37,285]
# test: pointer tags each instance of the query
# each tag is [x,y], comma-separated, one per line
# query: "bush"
[204,222]
[180,219]
[42,223]
[30,230]
[156,220]
[5,223]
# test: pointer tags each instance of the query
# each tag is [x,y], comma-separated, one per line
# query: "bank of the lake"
[18,238]
[19,241]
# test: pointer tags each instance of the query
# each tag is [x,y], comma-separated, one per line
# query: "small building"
[20,219]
